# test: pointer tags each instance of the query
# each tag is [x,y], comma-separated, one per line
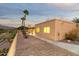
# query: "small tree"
[72,35]
[76,20]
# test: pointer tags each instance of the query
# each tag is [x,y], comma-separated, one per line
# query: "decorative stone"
[68,40]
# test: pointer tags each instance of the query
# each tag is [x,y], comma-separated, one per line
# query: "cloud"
[66,6]
[38,12]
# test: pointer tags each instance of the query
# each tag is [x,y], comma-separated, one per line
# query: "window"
[46,29]
[37,29]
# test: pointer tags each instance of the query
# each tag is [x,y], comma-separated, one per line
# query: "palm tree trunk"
[23,23]
[25,19]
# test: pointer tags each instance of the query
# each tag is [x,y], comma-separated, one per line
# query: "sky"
[10,13]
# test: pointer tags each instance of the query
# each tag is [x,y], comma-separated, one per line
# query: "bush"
[4,51]
[9,35]
[72,35]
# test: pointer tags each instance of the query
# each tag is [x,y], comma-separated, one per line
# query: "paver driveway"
[35,47]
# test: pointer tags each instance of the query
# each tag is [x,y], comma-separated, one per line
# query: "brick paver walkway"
[36,47]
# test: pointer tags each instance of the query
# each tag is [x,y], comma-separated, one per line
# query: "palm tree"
[26,12]
[23,22]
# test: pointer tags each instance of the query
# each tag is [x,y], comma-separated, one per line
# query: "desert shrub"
[12,34]
[9,35]
[4,51]
[6,35]
[72,35]
[2,31]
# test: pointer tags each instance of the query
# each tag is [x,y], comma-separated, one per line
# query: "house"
[54,29]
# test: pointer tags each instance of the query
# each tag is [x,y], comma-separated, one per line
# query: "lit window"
[46,29]
[37,29]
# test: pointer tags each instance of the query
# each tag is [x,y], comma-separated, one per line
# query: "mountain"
[6,27]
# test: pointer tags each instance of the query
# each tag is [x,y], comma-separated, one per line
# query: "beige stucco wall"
[58,29]
[62,28]
[50,35]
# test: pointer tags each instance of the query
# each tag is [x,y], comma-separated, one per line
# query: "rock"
[68,40]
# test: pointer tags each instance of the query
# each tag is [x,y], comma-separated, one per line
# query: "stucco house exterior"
[54,29]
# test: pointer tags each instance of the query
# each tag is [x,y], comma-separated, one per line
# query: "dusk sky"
[39,12]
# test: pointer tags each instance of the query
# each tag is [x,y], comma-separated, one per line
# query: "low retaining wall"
[12,49]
